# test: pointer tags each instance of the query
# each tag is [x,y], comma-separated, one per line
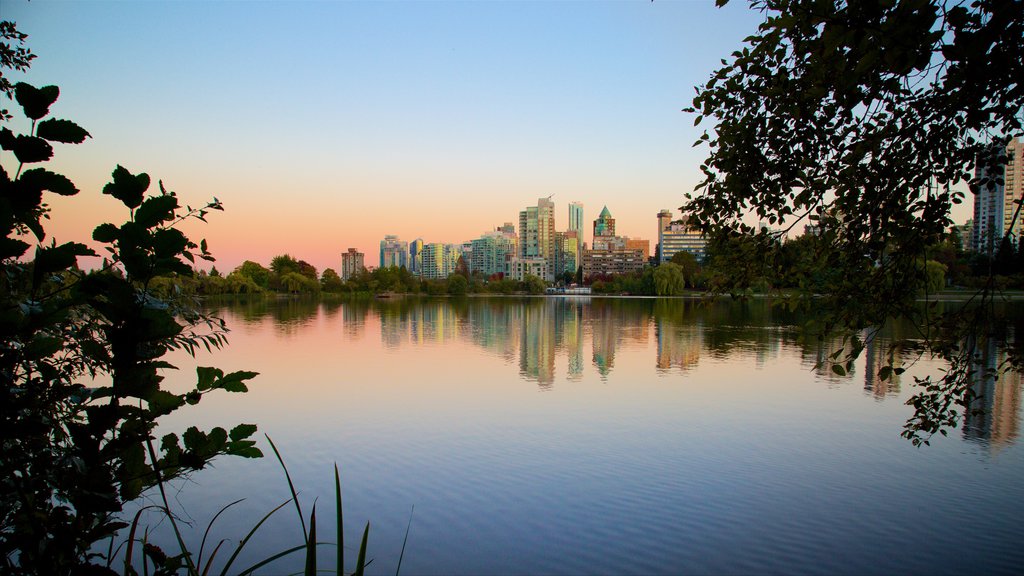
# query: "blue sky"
[325,125]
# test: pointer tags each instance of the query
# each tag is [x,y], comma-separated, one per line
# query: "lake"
[561,435]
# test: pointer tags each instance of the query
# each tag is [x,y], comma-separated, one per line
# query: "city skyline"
[377,118]
[369,119]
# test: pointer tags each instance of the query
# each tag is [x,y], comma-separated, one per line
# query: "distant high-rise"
[678,237]
[393,252]
[605,224]
[537,235]
[491,254]
[433,260]
[576,223]
[995,204]
[351,263]
[416,256]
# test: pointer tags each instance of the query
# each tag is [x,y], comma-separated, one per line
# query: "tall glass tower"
[576,224]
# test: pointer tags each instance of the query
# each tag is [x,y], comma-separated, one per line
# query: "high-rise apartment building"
[393,252]
[416,256]
[433,262]
[567,255]
[537,235]
[995,204]
[491,254]
[351,263]
[576,224]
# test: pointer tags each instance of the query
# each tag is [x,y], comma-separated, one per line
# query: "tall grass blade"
[131,539]
[341,524]
[311,544]
[202,545]
[361,560]
[291,487]
[245,540]
[266,561]
[167,510]
[213,555]
[404,541]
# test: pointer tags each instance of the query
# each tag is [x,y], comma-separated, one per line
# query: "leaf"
[30,149]
[41,179]
[156,210]
[839,369]
[105,233]
[127,187]
[64,131]
[34,101]
[207,376]
[242,431]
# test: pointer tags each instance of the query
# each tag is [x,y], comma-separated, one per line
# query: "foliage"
[668,280]
[13,56]
[81,357]
[861,118]
[688,265]
[255,272]
[457,284]
[534,284]
[331,282]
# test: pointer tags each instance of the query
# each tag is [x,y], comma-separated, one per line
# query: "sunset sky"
[326,125]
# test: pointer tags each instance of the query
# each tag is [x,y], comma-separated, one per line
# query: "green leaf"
[233,382]
[41,179]
[64,131]
[34,101]
[156,210]
[105,233]
[242,431]
[207,377]
[839,369]
[30,149]
[127,187]
[163,402]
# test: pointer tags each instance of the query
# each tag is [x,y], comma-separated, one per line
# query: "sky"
[326,125]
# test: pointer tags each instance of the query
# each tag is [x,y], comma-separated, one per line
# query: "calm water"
[600,436]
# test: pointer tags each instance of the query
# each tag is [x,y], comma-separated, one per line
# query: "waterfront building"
[416,256]
[393,252]
[604,225]
[612,260]
[491,254]
[537,235]
[576,224]
[995,204]
[433,262]
[567,255]
[643,246]
[519,267]
[351,263]
[676,237]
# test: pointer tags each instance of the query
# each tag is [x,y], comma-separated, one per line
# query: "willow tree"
[867,120]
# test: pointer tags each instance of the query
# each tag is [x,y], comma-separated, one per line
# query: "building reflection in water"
[540,335]
[993,414]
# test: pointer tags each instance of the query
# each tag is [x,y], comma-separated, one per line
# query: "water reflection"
[546,338]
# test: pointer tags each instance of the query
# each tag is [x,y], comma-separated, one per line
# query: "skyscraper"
[605,224]
[576,224]
[995,205]
[537,235]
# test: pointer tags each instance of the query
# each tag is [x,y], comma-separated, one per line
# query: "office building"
[676,237]
[576,224]
[604,225]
